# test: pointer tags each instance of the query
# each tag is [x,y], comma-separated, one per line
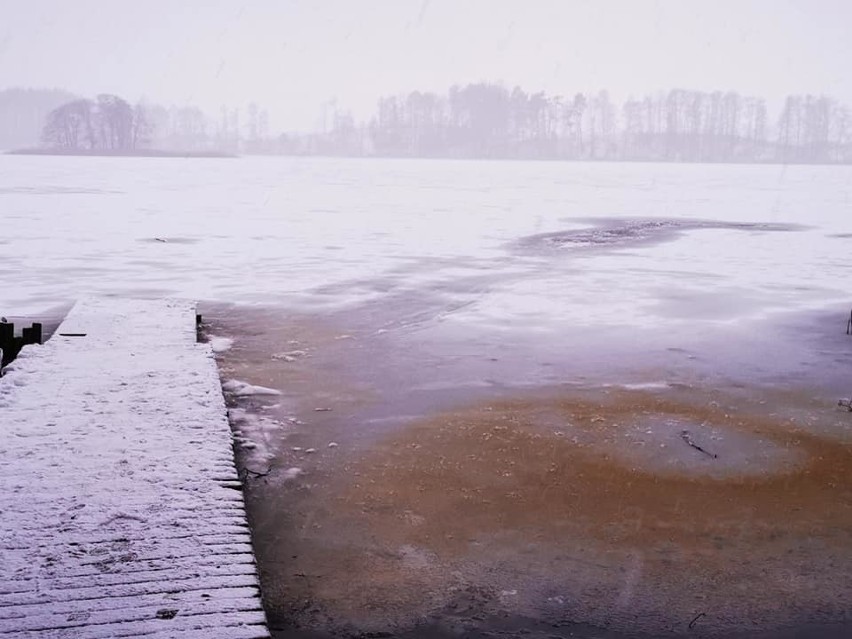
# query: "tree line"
[490,121]
[486,120]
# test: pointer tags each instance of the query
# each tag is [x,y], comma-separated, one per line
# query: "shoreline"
[416,158]
[124,154]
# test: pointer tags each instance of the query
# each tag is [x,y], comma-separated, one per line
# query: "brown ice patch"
[505,466]
[543,508]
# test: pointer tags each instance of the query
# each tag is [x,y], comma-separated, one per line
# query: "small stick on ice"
[685,436]
[696,618]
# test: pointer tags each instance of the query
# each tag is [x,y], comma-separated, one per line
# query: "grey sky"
[295,56]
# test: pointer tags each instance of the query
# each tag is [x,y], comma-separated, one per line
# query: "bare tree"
[113,123]
[252,122]
[70,126]
[143,127]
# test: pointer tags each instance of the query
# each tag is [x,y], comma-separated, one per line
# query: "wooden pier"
[122,513]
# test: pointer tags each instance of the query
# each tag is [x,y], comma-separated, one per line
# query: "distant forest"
[490,121]
[475,121]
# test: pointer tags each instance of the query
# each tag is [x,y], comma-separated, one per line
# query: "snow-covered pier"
[121,513]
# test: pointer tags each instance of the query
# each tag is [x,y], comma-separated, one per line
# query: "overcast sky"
[294,56]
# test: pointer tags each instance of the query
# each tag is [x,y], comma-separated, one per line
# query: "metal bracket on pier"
[10,345]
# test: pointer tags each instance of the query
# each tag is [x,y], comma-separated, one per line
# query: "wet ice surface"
[711,450]
[483,398]
[624,233]
[493,481]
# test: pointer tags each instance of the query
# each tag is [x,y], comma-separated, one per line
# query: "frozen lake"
[493,377]
[331,233]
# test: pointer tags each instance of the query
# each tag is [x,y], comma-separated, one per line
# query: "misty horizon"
[302,61]
[473,121]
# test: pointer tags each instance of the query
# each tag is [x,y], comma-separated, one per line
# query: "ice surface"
[256,432]
[666,445]
[220,344]
[331,233]
[242,389]
[291,473]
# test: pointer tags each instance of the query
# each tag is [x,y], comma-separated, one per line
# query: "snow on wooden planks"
[121,511]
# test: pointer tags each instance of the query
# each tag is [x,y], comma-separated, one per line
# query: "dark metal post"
[7,341]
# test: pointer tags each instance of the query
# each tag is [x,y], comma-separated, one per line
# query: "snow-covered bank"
[120,514]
